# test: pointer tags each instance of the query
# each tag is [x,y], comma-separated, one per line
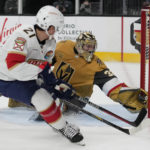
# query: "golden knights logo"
[135,34]
[64,72]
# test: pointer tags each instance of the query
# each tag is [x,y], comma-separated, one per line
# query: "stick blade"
[145,124]
[140,117]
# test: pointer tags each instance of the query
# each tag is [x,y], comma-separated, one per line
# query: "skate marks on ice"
[23,137]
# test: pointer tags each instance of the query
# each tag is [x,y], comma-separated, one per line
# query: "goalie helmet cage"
[145,55]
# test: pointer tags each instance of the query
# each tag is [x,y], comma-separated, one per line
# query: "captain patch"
[19,43]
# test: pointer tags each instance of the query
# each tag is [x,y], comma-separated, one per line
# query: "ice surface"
[18,132]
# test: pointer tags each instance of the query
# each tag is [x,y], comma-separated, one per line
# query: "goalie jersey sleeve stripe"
[103,77]
[107,81]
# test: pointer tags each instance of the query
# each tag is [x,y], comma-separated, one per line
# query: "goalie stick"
[127,131]
[135,123]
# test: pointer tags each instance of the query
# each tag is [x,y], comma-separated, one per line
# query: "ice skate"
[72,132]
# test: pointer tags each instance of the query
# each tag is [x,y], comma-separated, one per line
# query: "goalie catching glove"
[57,87]
[133,99]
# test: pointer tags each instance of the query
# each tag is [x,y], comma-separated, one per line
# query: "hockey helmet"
[86,45]
[49,16]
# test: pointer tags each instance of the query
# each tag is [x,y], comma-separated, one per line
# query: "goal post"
[145,55]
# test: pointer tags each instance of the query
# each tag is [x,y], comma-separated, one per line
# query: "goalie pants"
[21,91]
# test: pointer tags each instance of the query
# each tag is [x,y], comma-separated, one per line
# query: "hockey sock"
[53,116]
[48,109]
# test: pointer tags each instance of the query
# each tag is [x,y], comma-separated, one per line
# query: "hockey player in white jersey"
[25,73]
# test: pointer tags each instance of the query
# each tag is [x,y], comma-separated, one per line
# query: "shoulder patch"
[19,43]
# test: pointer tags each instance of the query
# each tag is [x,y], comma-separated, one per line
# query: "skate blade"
[81,143]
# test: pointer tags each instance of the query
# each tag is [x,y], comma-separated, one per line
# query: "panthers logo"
[64,72]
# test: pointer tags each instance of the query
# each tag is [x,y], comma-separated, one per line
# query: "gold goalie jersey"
[72,68]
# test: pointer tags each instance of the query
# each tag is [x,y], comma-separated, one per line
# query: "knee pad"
[41,100]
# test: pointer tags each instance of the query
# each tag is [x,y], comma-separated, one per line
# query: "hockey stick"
[97,117]
[135,123]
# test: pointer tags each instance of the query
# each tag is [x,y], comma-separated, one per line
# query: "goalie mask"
[86,45]
[49,16]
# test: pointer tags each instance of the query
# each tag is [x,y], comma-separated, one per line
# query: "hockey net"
[145,55]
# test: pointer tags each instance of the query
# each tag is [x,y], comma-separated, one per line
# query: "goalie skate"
[72,133]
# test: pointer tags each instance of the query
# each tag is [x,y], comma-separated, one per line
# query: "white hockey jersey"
[21,46]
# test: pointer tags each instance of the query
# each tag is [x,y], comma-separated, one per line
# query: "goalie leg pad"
[13,103]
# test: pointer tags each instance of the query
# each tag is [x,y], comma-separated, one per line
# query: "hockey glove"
[64,90]
[133,99]
[47,75]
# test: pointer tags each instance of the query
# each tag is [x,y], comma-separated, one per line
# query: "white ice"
[19,132]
